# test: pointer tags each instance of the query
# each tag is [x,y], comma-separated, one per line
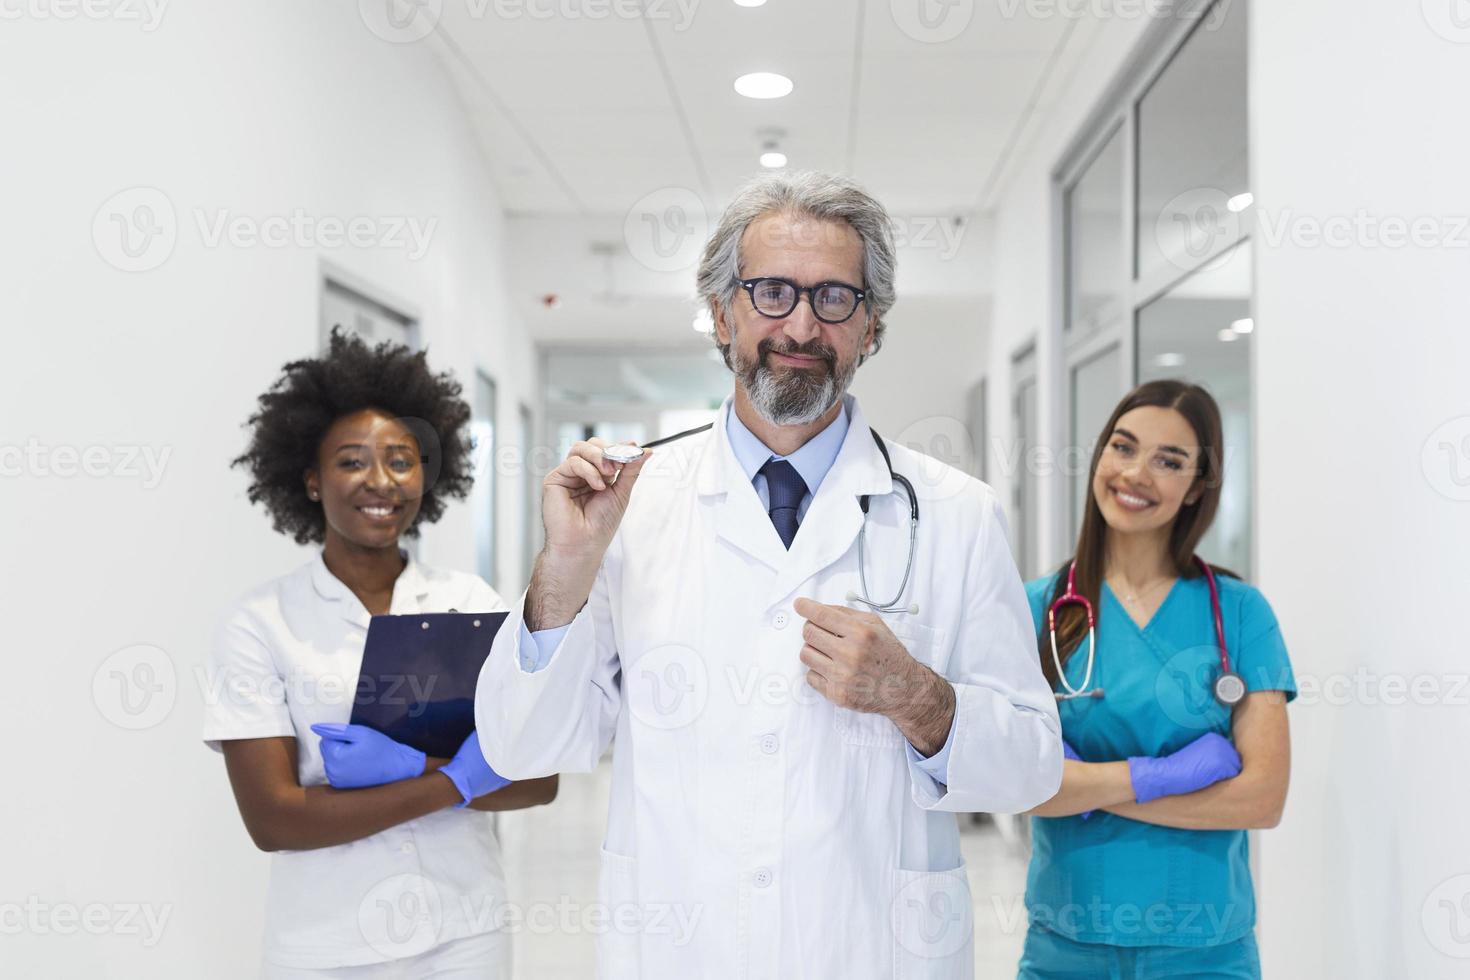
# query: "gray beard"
[796,398]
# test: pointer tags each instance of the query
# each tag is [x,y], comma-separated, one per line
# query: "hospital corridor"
[735,489]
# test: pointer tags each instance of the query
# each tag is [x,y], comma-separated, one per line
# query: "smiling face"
[369,479]
[794,368]
[1148,470]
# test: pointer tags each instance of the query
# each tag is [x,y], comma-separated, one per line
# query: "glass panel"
[530,497]
[1097,384]
[1192,147]
[1028,435]
[1200,331]
[1096,262]
[482,496]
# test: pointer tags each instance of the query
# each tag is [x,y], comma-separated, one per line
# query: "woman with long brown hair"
[1172,681]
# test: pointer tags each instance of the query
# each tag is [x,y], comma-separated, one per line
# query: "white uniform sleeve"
[561,715]
[1005,754]
[244,690]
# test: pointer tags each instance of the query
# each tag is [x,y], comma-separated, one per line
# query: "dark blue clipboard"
[417,682]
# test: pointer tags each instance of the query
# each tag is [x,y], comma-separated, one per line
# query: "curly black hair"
[294,415]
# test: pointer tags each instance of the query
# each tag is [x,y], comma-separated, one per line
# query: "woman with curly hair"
[380,865]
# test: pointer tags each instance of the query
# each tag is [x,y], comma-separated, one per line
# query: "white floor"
[551,869]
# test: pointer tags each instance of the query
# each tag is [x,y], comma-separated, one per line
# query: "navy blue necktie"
[785,489]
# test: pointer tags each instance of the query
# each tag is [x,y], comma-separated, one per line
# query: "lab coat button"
[780,620]
[762,877]
[769,744]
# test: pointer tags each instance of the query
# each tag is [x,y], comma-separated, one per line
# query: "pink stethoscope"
[1229,687]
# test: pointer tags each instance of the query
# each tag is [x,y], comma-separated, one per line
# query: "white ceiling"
[586,118]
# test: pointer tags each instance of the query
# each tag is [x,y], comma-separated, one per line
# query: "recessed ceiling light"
[1169,359]
[763,85]
[1227,335]
[773,159]
[750,3]
[1240,202]
[1245,325]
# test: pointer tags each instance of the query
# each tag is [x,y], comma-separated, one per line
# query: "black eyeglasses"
[831,302]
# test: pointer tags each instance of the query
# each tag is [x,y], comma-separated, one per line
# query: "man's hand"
[582,502]
[856,662]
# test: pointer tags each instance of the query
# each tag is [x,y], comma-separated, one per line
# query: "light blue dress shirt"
[813,461]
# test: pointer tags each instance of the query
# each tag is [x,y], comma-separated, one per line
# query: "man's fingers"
[816,659]
[586,472]
[837,620]
[591,451]
[827,642]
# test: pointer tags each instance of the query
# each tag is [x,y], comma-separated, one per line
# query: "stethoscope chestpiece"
[621,454]
[1229,689]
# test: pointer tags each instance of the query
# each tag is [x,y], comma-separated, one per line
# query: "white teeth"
[377,511]
[1130,500]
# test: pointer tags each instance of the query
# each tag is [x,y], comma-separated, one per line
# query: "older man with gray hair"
[810,646]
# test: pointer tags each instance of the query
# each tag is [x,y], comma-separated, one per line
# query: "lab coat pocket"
[617,892]
[933,926]
[926,645]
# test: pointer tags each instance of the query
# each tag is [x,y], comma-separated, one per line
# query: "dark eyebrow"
[1174,450]
[362,445]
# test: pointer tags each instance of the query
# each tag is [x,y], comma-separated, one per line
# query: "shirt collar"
[813,460]
[410,584]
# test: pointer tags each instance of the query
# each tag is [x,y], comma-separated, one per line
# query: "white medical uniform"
[287,656]
[755,829]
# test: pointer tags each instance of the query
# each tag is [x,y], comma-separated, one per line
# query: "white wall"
[1363,409]
[261,109]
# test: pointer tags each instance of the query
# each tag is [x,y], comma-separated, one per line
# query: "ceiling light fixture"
[750,3]
[1170,359]
[1243,326]
[763,85]
[1226,335]
[1240,202]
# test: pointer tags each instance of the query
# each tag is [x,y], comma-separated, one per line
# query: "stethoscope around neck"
[1229,687]
[626,454]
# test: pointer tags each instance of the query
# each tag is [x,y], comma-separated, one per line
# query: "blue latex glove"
[471,774]
[1208,759]
[358,756]
[1070,753]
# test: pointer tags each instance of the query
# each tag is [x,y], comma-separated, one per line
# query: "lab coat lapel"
[740,520]
[833,519]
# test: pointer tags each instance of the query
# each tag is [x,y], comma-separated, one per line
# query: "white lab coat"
[755,829]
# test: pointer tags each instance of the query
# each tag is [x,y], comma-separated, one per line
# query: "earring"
[312,494]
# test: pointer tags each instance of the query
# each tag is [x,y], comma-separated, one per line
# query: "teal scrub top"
[1109,879]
